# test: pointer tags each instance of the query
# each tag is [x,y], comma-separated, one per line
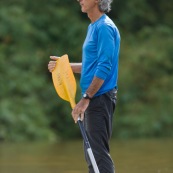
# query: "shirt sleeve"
[105,49]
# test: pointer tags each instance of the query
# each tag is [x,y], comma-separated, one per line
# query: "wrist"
[86,96]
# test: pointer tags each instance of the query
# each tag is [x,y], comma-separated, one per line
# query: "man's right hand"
[52,64]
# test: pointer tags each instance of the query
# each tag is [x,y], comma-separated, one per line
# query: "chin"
[83,10]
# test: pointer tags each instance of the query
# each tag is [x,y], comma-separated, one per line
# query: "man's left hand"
[80,109]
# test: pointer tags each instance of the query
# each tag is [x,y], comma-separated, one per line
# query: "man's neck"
[94,15]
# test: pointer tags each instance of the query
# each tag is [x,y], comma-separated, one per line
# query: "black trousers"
[98,126]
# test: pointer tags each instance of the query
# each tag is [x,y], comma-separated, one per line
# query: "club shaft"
[87,144]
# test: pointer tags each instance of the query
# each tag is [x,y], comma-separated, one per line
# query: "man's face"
[88,5]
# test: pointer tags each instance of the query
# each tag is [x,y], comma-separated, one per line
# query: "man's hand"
[80,109]
[52,64]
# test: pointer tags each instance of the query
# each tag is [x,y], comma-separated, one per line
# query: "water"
[130,156]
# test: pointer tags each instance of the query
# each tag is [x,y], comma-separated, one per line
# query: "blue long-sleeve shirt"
[100,55]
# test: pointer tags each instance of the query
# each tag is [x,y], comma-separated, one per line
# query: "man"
[99,75]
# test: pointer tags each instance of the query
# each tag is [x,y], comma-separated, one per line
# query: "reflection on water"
[130,156]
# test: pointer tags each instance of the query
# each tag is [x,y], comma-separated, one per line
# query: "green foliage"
[132,16]
[28,37]
[31,31]
[145,99]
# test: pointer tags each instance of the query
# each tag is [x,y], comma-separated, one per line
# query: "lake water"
[130,156]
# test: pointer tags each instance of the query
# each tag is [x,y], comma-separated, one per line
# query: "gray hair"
[105,5]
